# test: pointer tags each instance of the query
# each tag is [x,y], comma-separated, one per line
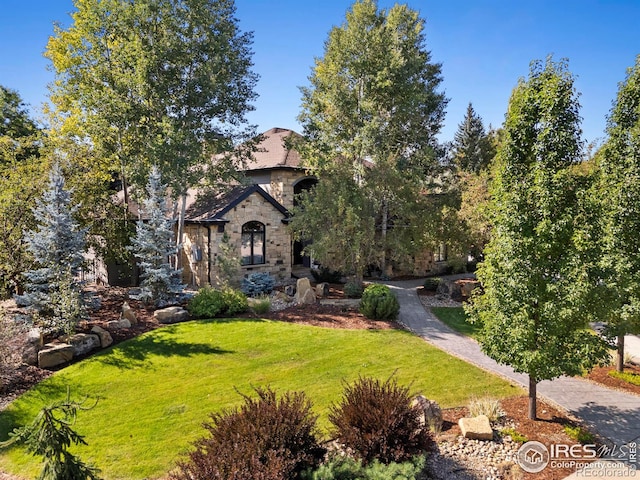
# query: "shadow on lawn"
[136,353]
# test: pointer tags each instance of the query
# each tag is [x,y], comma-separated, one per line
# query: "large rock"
[171,315]
[82,343]
[476,428]
[468,286]
[322,289]
[105,337]
[431,415]
[118,324]
[304,292]
[129,314]
[451,289]
[54,354]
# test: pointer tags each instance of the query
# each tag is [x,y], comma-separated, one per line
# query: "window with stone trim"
[252,250]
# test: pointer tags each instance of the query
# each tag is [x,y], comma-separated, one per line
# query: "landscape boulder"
[82,343]
[290,290]
[431,415]
[54,354]
[33,344]
[476,428]
[304,292]
[322,289]
[451,289]
[171,315]
[129,314]
[118,324]
[105,337]
[467,287]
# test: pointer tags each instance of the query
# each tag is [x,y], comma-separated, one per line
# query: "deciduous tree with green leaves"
[619,190]
[154,82]
[533,310]
[373,106]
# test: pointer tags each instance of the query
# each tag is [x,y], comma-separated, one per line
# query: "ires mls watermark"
[588,460]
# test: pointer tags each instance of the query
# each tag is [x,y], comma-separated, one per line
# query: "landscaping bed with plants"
[454,459]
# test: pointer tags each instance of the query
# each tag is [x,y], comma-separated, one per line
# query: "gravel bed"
[464,459]
[438,301]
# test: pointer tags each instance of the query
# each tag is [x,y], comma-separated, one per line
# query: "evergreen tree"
[619,191]
[473,150]
[57,246]
[50,435]
[535,305]
[154,245]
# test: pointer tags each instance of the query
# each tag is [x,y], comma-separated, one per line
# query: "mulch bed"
[601,375]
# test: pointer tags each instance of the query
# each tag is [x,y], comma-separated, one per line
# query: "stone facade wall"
[281,187]
[254,208]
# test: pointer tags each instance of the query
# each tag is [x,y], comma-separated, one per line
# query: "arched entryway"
[300,186]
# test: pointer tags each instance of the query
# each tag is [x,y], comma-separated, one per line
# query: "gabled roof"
[272,152]
[212,208]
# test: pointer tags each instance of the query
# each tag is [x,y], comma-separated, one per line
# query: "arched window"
[252,250]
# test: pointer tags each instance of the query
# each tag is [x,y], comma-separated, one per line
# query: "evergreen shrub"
[377,421]
[353,290]
[379,303]
[258,284]
[431,284]
[347,468]
[264,439]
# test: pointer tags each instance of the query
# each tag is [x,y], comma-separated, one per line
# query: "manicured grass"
[156,390]
[455,318]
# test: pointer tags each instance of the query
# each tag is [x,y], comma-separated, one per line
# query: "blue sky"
[484,47]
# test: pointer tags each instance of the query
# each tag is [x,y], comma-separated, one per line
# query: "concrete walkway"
[612,414]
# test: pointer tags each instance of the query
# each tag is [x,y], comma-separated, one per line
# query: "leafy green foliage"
[579,434]
[629,377]
[370,116]
[378,302]
[210,302]
[536,273]
[257,284]
[267,438]
[347,468]
[619,195]
[377,421]
[228,262]
[50,435]
[514,434]
[431,283]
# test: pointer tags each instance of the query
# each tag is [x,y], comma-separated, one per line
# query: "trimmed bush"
[379,303]
[377,421]
[265,439]
[258,284]
[431,284]
[324,274]
[353,290]
[210,302]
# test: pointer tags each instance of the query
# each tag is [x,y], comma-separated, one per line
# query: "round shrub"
[431,284]
[265,439]
[379,303]
[378,422]
[210,302]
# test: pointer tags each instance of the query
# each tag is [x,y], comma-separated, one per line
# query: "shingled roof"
[212,208]
[272,152]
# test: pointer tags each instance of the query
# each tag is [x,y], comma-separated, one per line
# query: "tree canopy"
[619,192]
[373,106]
[536,281]
[473,149]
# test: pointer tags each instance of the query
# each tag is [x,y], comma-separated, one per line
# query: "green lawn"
[457,319]
[156,390]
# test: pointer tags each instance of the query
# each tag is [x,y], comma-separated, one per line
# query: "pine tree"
[472,146]
[154,245]
[57,246]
